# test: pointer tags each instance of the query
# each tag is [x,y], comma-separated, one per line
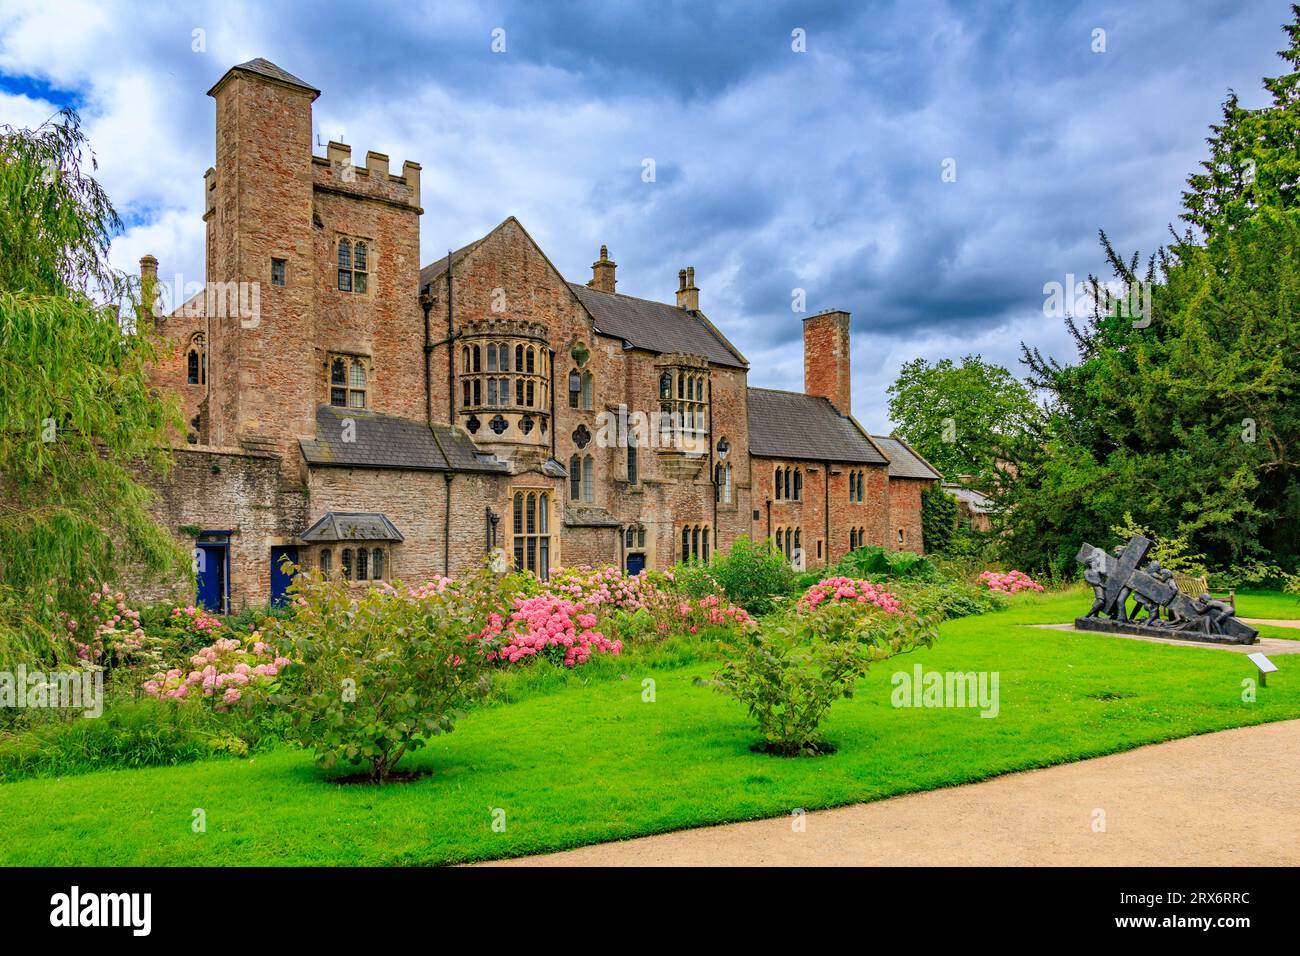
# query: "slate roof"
[264,67]
[903,461]
[385,441]
[352,526]
[439,266]
[794,425]
[977,501]
[657,326]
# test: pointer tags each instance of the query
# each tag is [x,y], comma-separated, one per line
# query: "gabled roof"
[905,461]
[385,441]
[642,323]
[264,67]
[807,427]
[657,326]
[439,266]
[352,526]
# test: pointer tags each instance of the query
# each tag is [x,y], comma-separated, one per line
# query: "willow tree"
[78,419]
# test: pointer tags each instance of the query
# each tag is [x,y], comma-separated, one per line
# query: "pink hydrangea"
[842,590]
[1009,582]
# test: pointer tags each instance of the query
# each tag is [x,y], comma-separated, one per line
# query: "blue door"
[211,555]
[280,581]
[635,563]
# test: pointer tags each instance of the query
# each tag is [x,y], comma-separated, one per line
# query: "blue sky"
[775,170]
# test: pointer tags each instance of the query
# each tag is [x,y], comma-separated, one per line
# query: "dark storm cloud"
[774,170]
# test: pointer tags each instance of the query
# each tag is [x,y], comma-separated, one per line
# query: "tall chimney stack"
[602,272]
[688,297]
[149,285]
[826,369]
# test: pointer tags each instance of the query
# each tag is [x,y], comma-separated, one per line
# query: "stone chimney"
[602,272]
[826,369]
[688,297]
[149,285]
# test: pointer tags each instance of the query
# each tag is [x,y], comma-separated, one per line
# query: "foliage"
[1184,422]
[126,735]
[76,412]
[874,561]
[383,672]
[751,574]
[960,417]
[1254,158]
[947,597]
[938,519]
[788,673]
[1173,551]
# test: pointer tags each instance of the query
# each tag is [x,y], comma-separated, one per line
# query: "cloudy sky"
[775,170]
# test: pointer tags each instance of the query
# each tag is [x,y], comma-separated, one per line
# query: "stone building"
[350,410]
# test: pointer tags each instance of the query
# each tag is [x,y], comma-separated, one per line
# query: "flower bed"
[1009,582]
[224,672]
[842,590]
[556,628]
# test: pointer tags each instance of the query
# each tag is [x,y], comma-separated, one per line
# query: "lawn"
[1271,605]
[582,764]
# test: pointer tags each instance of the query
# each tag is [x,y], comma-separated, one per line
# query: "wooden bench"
[1194,587]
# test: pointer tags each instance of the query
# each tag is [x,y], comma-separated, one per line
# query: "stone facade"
[483,405]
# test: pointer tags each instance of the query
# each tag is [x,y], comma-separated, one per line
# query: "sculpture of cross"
[1121,569]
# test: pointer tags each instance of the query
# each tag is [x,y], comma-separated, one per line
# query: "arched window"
[326,559]
[464,360]
[588,479]
[780,538]
[466,389]
[853,539]
[902,537]
[363,562]
[632,476]
[338,383]
[575,478]
[530,358]
[586,390]
[532,530]
[475,353]
[504,351]
[686,544]
[192,368]
[492,357]
[776,482]
[377,564]
[798,484]
[347,563]
[519,358]
[345,266]
[666,385]
[357,384]
[575,388]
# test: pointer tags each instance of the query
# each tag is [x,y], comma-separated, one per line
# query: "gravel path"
[1222,799]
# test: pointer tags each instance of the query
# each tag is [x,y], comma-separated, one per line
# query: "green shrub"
[789,672]
[752,575]
[875,562]
[127,735]
[938,518]
[947,597]
[379,674]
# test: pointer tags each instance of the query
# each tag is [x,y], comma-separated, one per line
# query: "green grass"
[584,762]
[1274,605]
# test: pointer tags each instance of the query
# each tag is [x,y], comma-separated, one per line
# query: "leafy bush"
[790,672]
[381,673]
[554,628]
[1173,551]
[127,735]
[947,598]
[752,575]
[874,561]
[938,518]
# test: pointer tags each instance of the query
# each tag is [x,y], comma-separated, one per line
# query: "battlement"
[335,170]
